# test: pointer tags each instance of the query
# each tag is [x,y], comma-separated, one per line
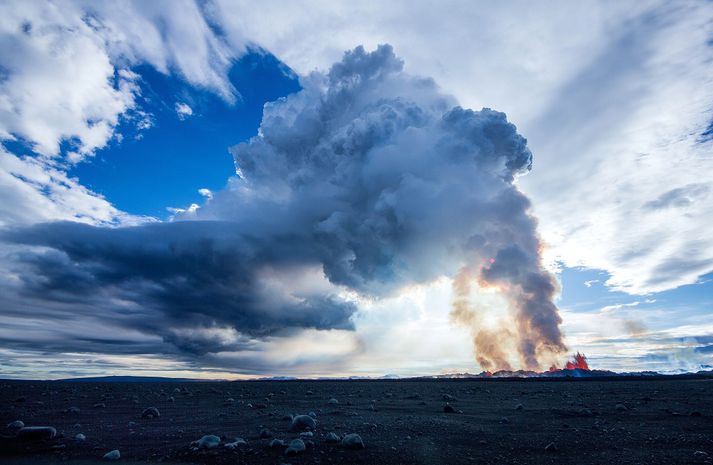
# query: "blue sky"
[377,227]
[179,155]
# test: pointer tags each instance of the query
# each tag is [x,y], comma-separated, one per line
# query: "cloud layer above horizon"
[368,175]
[615,101]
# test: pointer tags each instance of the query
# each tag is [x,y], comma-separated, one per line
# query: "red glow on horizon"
[578,362]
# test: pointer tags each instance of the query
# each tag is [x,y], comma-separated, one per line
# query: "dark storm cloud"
[191,272]
[368,173]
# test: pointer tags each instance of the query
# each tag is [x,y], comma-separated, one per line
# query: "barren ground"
[663,421]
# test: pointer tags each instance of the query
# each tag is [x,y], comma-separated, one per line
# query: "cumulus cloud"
[615,100]
[34,192]
[66,67]
[183,110]
[368,174]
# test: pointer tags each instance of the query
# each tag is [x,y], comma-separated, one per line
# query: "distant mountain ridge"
[131,379]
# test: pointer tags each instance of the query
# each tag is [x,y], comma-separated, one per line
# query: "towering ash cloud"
[369,174]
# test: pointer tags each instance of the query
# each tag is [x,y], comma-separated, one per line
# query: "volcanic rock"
[332,438]
[448,408]
[352,441]
[150,412]
[112,455]
[33,433]
[296,446]
[15,425]
[275,443]
[551,447]
[79,438]
[209,441]
[303,423]
[333,401]
[237,442]
[265,433]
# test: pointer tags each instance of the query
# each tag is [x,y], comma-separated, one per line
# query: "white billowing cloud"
[32,191]
[612,97]
[58,81]
[66,66]
[623,179]
[183,110]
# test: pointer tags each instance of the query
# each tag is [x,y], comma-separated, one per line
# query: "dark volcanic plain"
[586,421]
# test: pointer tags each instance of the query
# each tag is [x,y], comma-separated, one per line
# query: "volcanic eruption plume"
[371,176]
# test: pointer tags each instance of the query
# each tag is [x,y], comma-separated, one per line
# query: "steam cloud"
[369,174]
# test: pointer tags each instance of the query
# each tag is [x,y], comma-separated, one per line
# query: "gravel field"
[656,421]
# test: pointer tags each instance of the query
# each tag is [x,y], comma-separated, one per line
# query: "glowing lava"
[578,362]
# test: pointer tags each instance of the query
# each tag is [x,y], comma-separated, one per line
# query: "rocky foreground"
[655,421]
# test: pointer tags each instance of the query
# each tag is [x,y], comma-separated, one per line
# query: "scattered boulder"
[332,438]
[297,446]
[209,441]
[551,447]
[79,438]
[519,407]
[73,410]
[333,401]
[312,414]
[112,455]
[448,408]
[275,443]
[99,405]
[150,412]
[15,425]
[696,413]
[621,408]
[448,398]
[303,423]
[352,441]
[34,433]
[265,433]
[306,434]
[235,443]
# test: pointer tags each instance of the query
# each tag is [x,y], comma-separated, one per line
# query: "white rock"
[275,443]
[353,441]
[303,422]
[296,446]
[17,424]
[235,444]
[209,441]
